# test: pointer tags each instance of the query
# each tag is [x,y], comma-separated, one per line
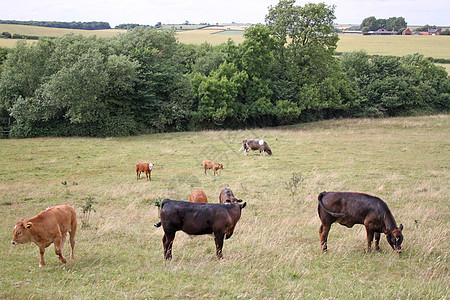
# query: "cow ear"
[401,227]
[228,200]
[29,224]
[243,205]
[239,200]
[386,231]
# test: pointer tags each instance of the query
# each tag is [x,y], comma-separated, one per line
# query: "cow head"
[21,232]
[233,201]
[395,238]
[150,166]
[220,166]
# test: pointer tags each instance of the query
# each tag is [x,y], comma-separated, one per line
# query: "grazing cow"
[207,164]
[255,144]
[226,196]
[198,219]
[198,196]
[49,226]
[349,209]
[144,167]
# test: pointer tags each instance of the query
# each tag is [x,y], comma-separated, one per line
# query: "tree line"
[94,25]
[391,24]
[142,81]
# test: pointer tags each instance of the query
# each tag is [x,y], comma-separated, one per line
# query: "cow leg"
[138,174]
[72,243]
[63,240]
[377,241]
[369,239]
[323,233]
[146,175]
[41,252]
[167,243]
[218,238]
[150,175]
[58,249]
[205,171]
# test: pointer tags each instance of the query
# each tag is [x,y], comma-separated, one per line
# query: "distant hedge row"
[7,35]
[56,24]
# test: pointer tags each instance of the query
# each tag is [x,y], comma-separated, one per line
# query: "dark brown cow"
[207,164]
[255,144]
[49,226]
[198,219]
[198,196]
[146,168]
[349,209]
[226,196]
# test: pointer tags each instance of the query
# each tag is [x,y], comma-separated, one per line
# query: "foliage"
[392,24]
[86,209]
[142,81]
[390,86]
[57,24]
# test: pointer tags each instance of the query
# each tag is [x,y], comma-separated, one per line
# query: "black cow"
[349,209]
[226,196]
[255,144]
[197,219]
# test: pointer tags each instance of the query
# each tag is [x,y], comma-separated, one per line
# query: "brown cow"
[198,219]
[144,167]
[198,196]
[349,209]
[226,196]
[49,226]
[207,164]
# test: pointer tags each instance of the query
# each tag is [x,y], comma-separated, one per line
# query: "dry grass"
[274,252]
[396,45]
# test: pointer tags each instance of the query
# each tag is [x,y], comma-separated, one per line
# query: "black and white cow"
[255,144]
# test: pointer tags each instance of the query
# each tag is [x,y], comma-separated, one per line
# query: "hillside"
[274,252]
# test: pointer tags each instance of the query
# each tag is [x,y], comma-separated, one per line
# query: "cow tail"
[334,214]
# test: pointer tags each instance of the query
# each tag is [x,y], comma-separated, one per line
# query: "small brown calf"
[207,164]
[144,167]
[226,196]
[49,226]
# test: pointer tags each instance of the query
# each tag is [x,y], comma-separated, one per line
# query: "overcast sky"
[415,12]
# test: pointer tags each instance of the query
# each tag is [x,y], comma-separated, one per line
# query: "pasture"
[274,252]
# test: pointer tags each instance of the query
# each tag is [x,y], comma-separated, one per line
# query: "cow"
[226,196]
[349,208]
[144,167]
[49,226]
[255,144]
[198,196]
[198,219]
[207,164]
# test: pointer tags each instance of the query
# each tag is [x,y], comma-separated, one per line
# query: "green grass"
[275,250]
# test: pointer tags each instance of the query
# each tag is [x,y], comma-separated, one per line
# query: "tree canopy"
[285,71]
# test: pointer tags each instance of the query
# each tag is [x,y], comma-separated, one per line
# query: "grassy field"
[397,45]
[275,250]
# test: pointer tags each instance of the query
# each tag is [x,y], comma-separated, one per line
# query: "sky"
[115,12]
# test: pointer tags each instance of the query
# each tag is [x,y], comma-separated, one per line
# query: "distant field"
[430,46]
[47,31]
[397,45]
